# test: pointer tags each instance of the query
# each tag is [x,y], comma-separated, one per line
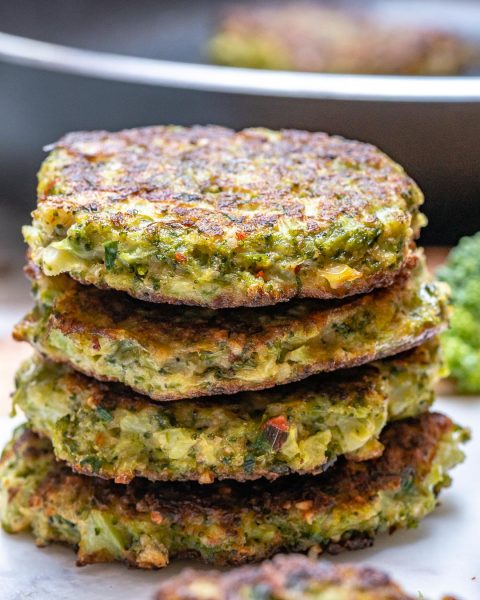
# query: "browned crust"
[278,576]
[156,164]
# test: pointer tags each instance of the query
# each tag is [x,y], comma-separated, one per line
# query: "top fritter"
[207,216]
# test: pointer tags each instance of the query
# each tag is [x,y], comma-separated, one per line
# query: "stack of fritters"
[295,359]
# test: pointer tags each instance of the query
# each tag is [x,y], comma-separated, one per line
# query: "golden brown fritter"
[172,353]
[108,431]
[213,217]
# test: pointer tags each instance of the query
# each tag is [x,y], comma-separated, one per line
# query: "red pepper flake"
[241,235]
[275,432]
[279,422]
[95,343]
[297,269]
[180,257]
[260,274]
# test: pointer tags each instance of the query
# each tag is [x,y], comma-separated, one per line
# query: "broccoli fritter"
[462,341]
[212,217]
[171,353]
[286,577]
[306,36]
[108,431]
[146,524]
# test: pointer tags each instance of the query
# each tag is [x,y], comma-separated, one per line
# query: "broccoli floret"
[462,341]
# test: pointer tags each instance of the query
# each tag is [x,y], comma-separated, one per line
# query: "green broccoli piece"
[461,342]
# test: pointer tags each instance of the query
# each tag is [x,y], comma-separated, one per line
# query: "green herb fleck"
[103,414]
[111,251]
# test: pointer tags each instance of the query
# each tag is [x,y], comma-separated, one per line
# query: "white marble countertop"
[441,556]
